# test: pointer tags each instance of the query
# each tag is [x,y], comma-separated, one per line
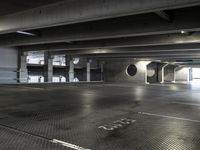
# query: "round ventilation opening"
[131,70]
[151,72]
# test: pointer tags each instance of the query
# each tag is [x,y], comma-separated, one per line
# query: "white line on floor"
[69,145]
[191,104]
[169,117]
[33,88]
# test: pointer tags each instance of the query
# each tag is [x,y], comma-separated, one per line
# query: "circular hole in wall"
[76,60]
[131,70]
[151,72]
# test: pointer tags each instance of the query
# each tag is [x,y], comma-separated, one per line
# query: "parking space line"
[55,141]
[69,145]
[169,117]
[182,103]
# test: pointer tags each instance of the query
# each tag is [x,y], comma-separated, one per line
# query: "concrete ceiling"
[13,6]
[99,28]
[76,11]
[130,26]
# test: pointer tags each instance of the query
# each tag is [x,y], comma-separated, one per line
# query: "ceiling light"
[186,32]
[26,33]
[183,32]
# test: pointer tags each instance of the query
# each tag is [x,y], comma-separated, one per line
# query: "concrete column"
[88,67]
[40,80]
[163,73]
[67,59]
[71,70]
[175,74]
[146,74]
[160,72]
[48,67]
[60,79]
[102,69]
[23,71]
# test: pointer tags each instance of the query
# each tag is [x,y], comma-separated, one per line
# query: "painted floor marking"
[69,145]
[169,117]
[36,88]
[55,141]
[117,124]
[191,104]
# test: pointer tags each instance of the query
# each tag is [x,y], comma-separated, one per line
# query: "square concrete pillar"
[163,73]
[48,67]
[102,69]
[67,60]
[23,71]
[88,68]
[71,70]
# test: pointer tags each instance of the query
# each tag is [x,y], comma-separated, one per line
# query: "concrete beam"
[173,41]
[141,25]
[182,49]
[75,11]
[147,56]
[164,15]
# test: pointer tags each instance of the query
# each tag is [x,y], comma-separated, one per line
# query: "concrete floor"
[100,117]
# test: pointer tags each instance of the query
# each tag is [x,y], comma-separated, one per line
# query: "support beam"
[48,68]
[147,57]
[135,51]
[163,73]
[75,11]
[23,71]
[173,41]
[71,70]
[164,15]
[102,70]
[146,74]
[88,67]
[141,25]
[40,80]
[67,62]
[60,79]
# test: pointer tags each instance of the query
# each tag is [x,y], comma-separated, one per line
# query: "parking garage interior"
[100,75]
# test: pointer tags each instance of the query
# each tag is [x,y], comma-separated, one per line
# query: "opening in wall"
[131,70]
[35,79]
[195,75]
[76,80]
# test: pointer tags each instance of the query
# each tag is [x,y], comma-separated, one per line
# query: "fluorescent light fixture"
[183,32]
[26,33]
[101,51]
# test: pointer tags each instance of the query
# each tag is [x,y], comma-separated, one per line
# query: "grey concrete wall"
[115,70]
[181,74]
[8,65]
[169,73]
